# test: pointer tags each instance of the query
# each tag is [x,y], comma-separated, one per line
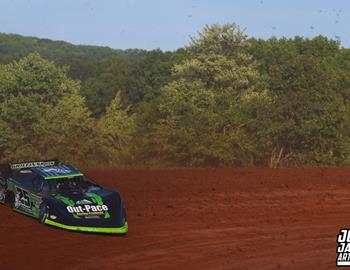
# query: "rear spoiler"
[6,169]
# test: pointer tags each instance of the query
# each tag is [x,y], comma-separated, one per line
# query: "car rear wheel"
[43,212]
[10,198]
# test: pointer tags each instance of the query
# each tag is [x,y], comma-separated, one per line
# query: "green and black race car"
[60,195]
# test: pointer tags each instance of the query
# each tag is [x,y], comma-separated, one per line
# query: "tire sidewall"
[10,198]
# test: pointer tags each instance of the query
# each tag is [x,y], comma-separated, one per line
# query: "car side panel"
[25,200]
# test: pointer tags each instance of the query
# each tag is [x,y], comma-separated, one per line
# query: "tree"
[42,115]
[67,131]
[27,89]
[17,115]
[310,118]
[36,78]
[202,121]
[149,73]
[101,89]
[116,129]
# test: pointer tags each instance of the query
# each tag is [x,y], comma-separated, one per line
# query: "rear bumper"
[120,230]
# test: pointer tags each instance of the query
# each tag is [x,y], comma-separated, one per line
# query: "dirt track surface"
[197,219]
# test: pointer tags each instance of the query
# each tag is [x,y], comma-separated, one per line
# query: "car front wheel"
[43,212]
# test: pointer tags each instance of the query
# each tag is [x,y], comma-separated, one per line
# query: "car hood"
[100,208]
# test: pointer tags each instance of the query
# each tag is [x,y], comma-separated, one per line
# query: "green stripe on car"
[121,230]
[63,176]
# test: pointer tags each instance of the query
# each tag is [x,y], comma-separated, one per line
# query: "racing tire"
[43,212]
[10,198]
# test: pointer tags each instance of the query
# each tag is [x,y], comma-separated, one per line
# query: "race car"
[60,195]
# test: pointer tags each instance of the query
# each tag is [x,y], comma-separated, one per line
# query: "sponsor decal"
[53,217]
[22,198]
[56,170]
[26,200]
[34,164]
[87,209]
[343,248]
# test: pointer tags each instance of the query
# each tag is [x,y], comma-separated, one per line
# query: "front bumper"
[120,230]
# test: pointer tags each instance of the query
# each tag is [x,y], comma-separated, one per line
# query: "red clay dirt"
[197,219]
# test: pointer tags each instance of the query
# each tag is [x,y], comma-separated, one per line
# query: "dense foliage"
[224,100]
[310,80]
[202,118]
[42,115]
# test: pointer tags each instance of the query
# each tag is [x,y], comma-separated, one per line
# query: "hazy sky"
[167,24]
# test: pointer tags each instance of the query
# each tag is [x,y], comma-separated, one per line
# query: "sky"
[168,24]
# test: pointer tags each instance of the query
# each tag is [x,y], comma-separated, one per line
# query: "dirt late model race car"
[60,195]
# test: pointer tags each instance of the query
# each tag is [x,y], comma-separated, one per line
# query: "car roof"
[57,171]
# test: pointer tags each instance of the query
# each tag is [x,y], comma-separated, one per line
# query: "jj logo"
[343,248]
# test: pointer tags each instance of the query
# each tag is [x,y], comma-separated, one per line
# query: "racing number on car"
[22,198]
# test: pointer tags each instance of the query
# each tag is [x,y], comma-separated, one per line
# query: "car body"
[60,195]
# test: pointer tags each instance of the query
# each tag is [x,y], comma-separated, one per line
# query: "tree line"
[223,100]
